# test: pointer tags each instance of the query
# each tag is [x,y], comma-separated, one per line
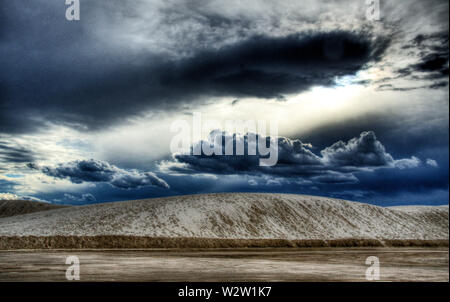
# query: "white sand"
[236,215]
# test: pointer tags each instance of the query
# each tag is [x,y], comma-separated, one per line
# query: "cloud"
[11,153]
[8,196]
[432,162]
[434,85]
[434,62]
[83,198]
[435,56]
[252,182]
[431,55]
[273,183]
[11,196]
[294,159]
[80,171]
[259,66]
[332,177]
[407,163]
[337,164]
[266,67]
[363,151]
[126,58]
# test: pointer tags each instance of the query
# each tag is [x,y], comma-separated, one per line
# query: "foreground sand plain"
[261,264]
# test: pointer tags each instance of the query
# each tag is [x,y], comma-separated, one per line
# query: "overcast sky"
[86,106]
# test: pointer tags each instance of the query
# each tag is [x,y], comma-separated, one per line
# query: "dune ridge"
[10,208]
[243,216]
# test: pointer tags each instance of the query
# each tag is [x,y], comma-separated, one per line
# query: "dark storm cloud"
[294,159]
[432,64]
[435,85]
[77,90]
[363,151]
[269,67]
[335,178]
[434,50]
[337,163]
[435,62]
[402,133]
[99,171]
[12,153]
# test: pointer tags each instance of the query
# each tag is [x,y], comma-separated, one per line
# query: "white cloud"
[432,162]
[10,196]
[252,182]
[408,163]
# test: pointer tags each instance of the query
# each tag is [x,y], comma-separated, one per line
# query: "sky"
[87,107]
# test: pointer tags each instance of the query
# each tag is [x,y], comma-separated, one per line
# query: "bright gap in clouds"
[298,113]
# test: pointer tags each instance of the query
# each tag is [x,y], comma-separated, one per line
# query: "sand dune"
[236,216]
[18,207]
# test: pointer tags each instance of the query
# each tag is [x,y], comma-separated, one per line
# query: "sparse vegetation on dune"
[10,208]
[139,242]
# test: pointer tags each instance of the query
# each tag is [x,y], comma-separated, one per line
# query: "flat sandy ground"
[321,264]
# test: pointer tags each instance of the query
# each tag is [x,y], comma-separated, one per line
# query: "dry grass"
[137,242]
[417,243]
